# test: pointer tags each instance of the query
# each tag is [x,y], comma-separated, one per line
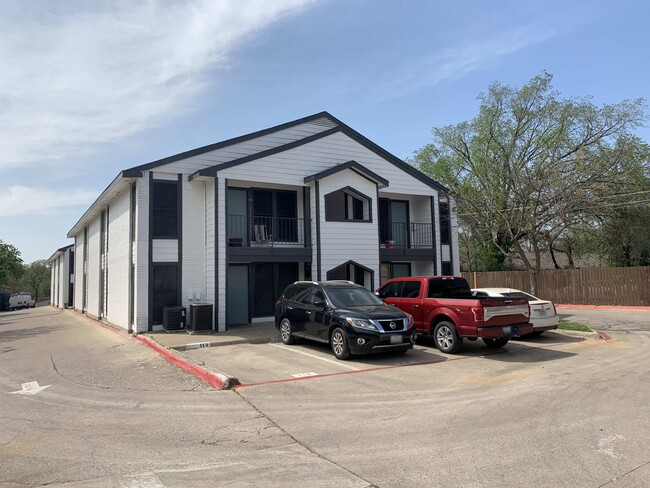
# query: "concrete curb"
[603,307]
[577,333]
[216,379]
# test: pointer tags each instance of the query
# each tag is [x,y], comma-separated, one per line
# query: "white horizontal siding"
[344,241]
[165,250]
[79,268]
[209,241]
[118,260]
[93,276]
[161,175]
[292,166]
[193,266]
[141,256]
[246,148]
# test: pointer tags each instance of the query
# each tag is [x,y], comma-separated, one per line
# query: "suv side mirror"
[320,304]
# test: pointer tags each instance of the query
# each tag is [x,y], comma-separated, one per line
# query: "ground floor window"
[394,270]
[269,281]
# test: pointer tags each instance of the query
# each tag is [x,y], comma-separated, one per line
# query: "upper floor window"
[347,204]
[445,222]
[165,209]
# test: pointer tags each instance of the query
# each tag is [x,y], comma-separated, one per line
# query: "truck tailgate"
[505,311]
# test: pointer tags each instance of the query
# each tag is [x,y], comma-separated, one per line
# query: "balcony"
[268,238]
[399,240]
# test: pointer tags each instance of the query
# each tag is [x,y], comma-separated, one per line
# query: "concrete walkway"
[258,333]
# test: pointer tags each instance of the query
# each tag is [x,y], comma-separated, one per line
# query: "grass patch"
[573,326]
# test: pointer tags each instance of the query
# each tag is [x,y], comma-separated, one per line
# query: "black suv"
[347,316]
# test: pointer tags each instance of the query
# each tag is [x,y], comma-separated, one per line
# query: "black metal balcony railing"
[258,230]
[405,234]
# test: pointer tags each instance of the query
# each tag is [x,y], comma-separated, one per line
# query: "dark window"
[411,289]
[446,269]
[444,223]
[275,215]
[400,270]
[352,297]
[317,297]
[302,296]
[520,294]
[347,204]
[391,290]
[457,288]
[165,289]
[165,209]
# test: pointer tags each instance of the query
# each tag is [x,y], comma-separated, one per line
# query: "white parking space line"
[298,351]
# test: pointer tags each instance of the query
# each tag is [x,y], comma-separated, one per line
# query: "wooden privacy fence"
[593,286]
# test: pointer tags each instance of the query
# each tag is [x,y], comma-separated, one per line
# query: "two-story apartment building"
[62,277]
[232,223]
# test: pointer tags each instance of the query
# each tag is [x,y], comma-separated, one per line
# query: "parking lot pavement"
[274,362]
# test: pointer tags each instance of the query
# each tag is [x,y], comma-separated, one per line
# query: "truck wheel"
[285,332]
[494,343]
[446,338]
[339,342]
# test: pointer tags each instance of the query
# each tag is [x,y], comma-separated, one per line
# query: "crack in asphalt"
[624,474]
[305,446]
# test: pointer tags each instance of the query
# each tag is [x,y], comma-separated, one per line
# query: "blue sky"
[91,88]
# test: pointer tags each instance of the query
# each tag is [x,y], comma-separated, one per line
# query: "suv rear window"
[449,289]
[519,294]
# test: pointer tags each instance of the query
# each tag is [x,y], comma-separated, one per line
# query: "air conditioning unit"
[200,317]
[173,318]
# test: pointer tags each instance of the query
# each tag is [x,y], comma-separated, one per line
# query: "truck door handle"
[415,305]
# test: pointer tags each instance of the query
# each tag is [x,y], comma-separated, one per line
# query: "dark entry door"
[269,281]
[237,295]
[165,289]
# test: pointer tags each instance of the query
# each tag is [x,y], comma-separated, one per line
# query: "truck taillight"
[478,314]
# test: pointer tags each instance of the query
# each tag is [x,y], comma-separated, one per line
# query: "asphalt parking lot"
[274,362]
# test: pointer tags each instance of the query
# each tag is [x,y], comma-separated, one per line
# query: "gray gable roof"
[351,165]
[136,171]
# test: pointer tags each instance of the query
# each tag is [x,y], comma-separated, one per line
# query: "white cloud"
[83,73]
[453,63]
[22,200]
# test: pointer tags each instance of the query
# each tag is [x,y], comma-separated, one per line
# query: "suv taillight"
[478,314]
[278,302]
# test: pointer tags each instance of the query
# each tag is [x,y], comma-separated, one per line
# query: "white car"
[21,300]
[543,315]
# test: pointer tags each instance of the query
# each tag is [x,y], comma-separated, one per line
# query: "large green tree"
[532,165]
[11,264]
[37,278]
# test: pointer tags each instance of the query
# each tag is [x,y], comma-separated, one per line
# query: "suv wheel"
[286,335]
[446,338]
[498,342]
[339,342]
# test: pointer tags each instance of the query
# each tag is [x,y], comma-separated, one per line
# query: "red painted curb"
[604,307]
[210,378]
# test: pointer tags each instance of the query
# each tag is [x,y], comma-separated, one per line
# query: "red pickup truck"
[444,307]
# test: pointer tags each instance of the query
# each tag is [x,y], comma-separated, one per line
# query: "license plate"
[509,330]
[396,339]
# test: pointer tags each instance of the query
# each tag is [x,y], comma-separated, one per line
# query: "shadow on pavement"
[17,334]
